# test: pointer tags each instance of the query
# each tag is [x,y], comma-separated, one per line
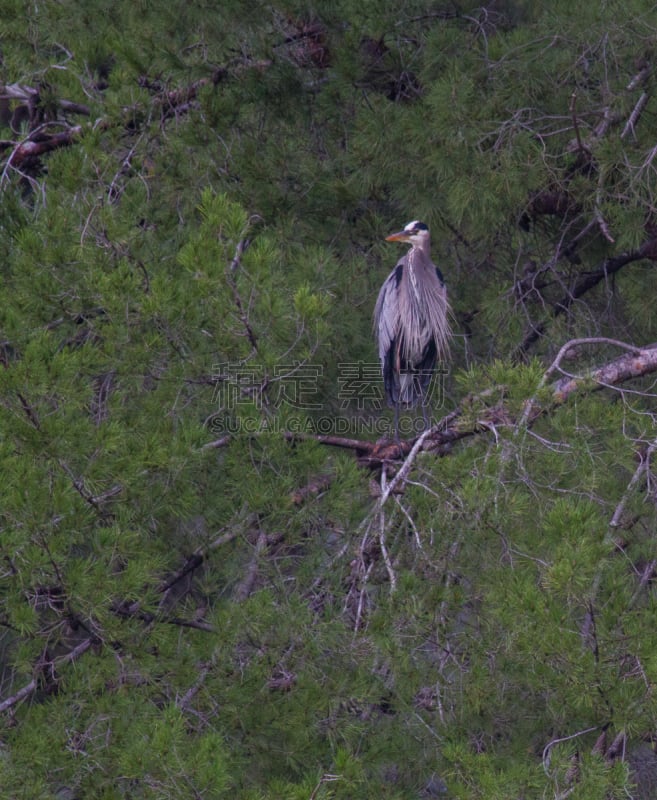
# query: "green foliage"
[194,603]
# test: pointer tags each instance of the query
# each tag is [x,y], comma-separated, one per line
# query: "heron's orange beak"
[402,236]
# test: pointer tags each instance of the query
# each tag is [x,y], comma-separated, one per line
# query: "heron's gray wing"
[386,327]
[386,312]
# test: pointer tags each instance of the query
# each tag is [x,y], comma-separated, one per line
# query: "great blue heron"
[411,322]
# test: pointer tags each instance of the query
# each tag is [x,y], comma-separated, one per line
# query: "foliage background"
[187,613]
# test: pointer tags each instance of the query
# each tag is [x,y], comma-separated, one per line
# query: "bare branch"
[644,466]
[222,441]
[28,94]
[314,487]
[570,345]
[246,586]
[639,78]
[103,385]
[239,251]
[78,485]
[604,227]
[21,694]
[382,538]
[326,778]
[633,365]
[189,695]
[31,687]
[634,116]
[548,747]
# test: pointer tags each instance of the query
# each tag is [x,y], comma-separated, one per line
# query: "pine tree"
[218,581]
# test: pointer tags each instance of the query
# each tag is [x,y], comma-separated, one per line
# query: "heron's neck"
[420,256]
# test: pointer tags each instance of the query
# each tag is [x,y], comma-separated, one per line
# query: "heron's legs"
[427,424]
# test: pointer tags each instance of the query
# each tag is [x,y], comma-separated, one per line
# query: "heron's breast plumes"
[423,314]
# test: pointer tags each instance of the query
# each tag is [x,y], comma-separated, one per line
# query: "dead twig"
[315,487]
[237,299]
[246,586]
[573,114]
[634,116]
[639,472]
[382,539]
[189,695]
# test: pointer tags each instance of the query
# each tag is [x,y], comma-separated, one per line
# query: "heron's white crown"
[417,233]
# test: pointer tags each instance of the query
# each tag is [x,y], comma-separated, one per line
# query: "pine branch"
[126,610]
[31,687]
[170,103]
[636,363]
[589,281]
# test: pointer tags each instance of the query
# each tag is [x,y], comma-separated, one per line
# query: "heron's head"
[415,233]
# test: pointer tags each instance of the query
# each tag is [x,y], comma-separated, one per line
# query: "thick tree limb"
[28,151]
[28,96]
[622,369]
